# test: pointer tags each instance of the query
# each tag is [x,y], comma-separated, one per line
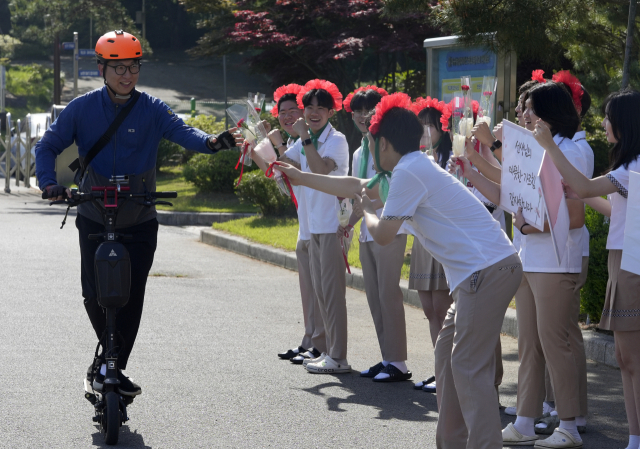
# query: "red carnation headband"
[538,75]
[347,101]
[397,100]
[282,91]
[324,85]
[565,77]
[445,109]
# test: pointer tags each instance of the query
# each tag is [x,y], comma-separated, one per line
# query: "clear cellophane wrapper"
[264,149]
[344,209]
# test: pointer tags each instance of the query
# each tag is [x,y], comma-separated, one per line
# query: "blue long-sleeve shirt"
[132,150]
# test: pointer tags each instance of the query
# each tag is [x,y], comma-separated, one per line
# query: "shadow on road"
[396,400]
[125,440]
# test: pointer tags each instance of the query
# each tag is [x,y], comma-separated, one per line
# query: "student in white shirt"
[545,298]
[426,274]
[621,312]
[381,265]
[481,264]
[314,340]
[321,149]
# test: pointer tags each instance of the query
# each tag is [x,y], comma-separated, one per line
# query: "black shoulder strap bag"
[80,167]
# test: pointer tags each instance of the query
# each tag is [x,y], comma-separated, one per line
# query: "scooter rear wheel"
[112,416]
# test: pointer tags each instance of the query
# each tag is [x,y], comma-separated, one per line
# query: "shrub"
[257,189]
[206,123]
[214,173]
[167,150]
[593,292]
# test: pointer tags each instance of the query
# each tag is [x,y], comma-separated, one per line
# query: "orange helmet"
[118,45]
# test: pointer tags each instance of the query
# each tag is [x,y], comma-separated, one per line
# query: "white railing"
[17,159]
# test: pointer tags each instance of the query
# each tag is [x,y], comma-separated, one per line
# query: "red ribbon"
[243,153]
[270,173]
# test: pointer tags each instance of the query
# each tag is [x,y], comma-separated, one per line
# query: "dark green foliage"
[592,124]
[166,152]
[263,192]
[592,294]
[214,173]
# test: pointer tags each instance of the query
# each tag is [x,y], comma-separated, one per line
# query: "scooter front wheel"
[111,418]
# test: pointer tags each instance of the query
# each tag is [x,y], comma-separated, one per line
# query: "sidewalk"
[598,347]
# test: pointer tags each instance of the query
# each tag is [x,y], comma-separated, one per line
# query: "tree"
[38,21]
[348,42]
[587,36]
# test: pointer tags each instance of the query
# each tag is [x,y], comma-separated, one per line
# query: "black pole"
[56,69]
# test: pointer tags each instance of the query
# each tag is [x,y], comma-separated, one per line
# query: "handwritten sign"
[631,245]
[556,205]
[520,184]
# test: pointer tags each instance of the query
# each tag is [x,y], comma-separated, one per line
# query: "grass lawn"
[283,233]
[189,200]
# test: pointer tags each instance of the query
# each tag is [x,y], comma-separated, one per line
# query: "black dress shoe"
[373,371]
[395,375]
[291,353]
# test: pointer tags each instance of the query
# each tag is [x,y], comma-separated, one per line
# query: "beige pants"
[329,282]
[545,312]
[577,346]
[465,358]
[381,268]
[314,335]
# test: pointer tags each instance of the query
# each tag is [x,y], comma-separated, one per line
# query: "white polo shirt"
[321,208]
[620,178]
[580,139]
[536,250]
[445,217]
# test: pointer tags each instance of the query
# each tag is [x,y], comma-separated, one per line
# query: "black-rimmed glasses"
[122,69]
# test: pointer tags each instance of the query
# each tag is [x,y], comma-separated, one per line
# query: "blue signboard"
[86,52]
[68,45]
[452,63]
[82,73]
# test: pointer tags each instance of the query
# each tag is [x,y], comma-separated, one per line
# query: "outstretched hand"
[294,175]
[569,193]
[461,162]
[482,132]
[363,202]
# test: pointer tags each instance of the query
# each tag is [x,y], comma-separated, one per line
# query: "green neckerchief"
[315,137]
[364,159]
[289,136]
[381,177]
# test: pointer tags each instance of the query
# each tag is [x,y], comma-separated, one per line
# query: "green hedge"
[214,173]
[257,189]
[592,294]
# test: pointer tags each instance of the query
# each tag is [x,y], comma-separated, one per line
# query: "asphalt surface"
[206,354]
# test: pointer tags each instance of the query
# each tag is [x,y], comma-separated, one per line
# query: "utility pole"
[75,64]
[224,84]
[56,69]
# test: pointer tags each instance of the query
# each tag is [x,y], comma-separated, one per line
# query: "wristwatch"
[495,145]
[306,142]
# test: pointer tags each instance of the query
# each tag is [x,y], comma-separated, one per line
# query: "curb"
[598,347]
[169,218]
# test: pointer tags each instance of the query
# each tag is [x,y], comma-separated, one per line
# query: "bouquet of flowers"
[489,85]
[344,208]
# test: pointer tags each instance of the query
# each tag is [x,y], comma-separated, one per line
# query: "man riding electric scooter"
[117,130]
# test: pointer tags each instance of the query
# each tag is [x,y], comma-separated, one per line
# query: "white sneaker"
[511,411]
[305,362]
[328,366]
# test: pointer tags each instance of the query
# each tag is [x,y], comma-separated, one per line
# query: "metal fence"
[17,159]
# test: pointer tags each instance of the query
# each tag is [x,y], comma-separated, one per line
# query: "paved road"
[205,355]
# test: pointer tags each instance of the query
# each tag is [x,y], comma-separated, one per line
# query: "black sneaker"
[291,353]
[127,387]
